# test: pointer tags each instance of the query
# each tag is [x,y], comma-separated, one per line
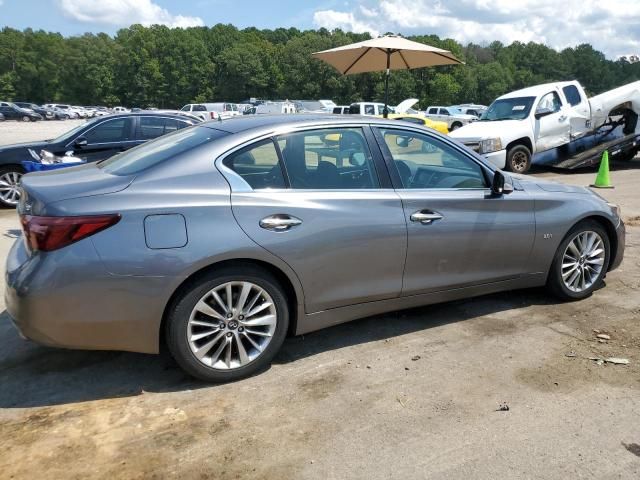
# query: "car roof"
[537,89]
[268,122]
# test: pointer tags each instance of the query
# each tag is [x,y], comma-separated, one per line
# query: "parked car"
[45,113]
[368,108]
[341,109]
[451,115]
[11,111]
[94,140]
[544,117]
[120,110]
[205,111]
[64,109]
[275,108]
[472,109]
[310,106]
[223,238]
[419,119]
[1,117]
[218,109]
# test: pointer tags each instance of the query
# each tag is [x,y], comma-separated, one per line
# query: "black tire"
[518,159]
[555,282]
[26,118]
[11,171]
[180,312]
[455,126]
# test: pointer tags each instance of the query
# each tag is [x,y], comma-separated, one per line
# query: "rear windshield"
[157,151]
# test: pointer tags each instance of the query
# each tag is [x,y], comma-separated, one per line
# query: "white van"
[275,108]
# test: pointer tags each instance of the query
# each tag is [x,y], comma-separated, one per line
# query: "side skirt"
[327,318]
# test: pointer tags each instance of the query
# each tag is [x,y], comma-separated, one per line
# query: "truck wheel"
[455,126]
[518,159]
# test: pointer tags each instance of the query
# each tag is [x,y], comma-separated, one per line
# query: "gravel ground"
[15,132]
[413,394]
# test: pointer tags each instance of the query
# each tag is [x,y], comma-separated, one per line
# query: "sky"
[611,26]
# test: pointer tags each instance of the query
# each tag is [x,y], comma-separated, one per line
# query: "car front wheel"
[26,118]
[9,186]
[581,262]
[228,325]
[518,159]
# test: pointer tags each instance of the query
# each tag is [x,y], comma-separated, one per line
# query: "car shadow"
[614,166]
[32,375]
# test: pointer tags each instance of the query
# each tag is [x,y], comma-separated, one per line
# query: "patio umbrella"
[389,52]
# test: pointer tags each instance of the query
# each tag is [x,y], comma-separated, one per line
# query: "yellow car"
[420,120]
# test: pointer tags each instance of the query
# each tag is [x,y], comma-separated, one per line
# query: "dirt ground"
[413,394]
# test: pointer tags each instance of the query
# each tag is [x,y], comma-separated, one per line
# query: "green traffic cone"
[602,179]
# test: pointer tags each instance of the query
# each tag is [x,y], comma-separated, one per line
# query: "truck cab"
[528,121]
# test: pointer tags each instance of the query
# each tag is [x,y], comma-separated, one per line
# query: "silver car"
[223,238]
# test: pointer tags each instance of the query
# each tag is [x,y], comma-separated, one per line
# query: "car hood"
[529,183]
[405,105]
[480,130]
[44,188]
[20,151]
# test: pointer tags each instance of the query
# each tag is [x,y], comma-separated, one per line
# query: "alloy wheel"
[231,325]
[583,261]
[9,187]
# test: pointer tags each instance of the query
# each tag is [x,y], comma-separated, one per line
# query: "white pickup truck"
[545,117]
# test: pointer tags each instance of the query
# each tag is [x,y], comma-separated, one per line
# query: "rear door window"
[154,127]
[337,158]
[572,95]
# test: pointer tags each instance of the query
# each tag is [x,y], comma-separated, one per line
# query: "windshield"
[157,151]
[508,109]
[65,137]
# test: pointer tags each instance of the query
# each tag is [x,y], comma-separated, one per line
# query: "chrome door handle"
[425,217]
[279,222]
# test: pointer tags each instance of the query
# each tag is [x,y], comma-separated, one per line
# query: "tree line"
[166,67]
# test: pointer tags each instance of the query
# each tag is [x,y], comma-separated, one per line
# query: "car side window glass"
[572,95]
[186,108]
[550,101]
[258,165]
[423,162]
[116,130]
[332,158]
[199,108]
[444,111]
[369,110]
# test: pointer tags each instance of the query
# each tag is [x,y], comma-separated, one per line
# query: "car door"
[552,124]
[105,139]
[340,228]
[459,234]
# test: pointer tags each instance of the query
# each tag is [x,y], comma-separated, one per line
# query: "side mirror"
[80,142]
[543,112]
[500,184]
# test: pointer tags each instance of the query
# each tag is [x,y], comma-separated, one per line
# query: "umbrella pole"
[385,112]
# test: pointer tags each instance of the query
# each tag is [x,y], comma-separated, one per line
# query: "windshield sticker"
[517,108]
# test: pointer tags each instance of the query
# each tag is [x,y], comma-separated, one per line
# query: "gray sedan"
[223,238]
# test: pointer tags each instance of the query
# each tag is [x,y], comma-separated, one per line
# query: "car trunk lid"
[44,188]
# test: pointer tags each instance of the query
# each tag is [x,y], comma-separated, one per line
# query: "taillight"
[51,233]
[212,115]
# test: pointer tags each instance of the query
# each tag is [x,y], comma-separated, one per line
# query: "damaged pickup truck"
[556,116]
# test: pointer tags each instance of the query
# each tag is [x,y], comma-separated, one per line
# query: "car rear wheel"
[26,118]
[581,262]
[9,186]
[518,159]
[455,126]
[228,325]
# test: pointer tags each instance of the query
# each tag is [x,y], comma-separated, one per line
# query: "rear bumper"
[67,299]
[621,237]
